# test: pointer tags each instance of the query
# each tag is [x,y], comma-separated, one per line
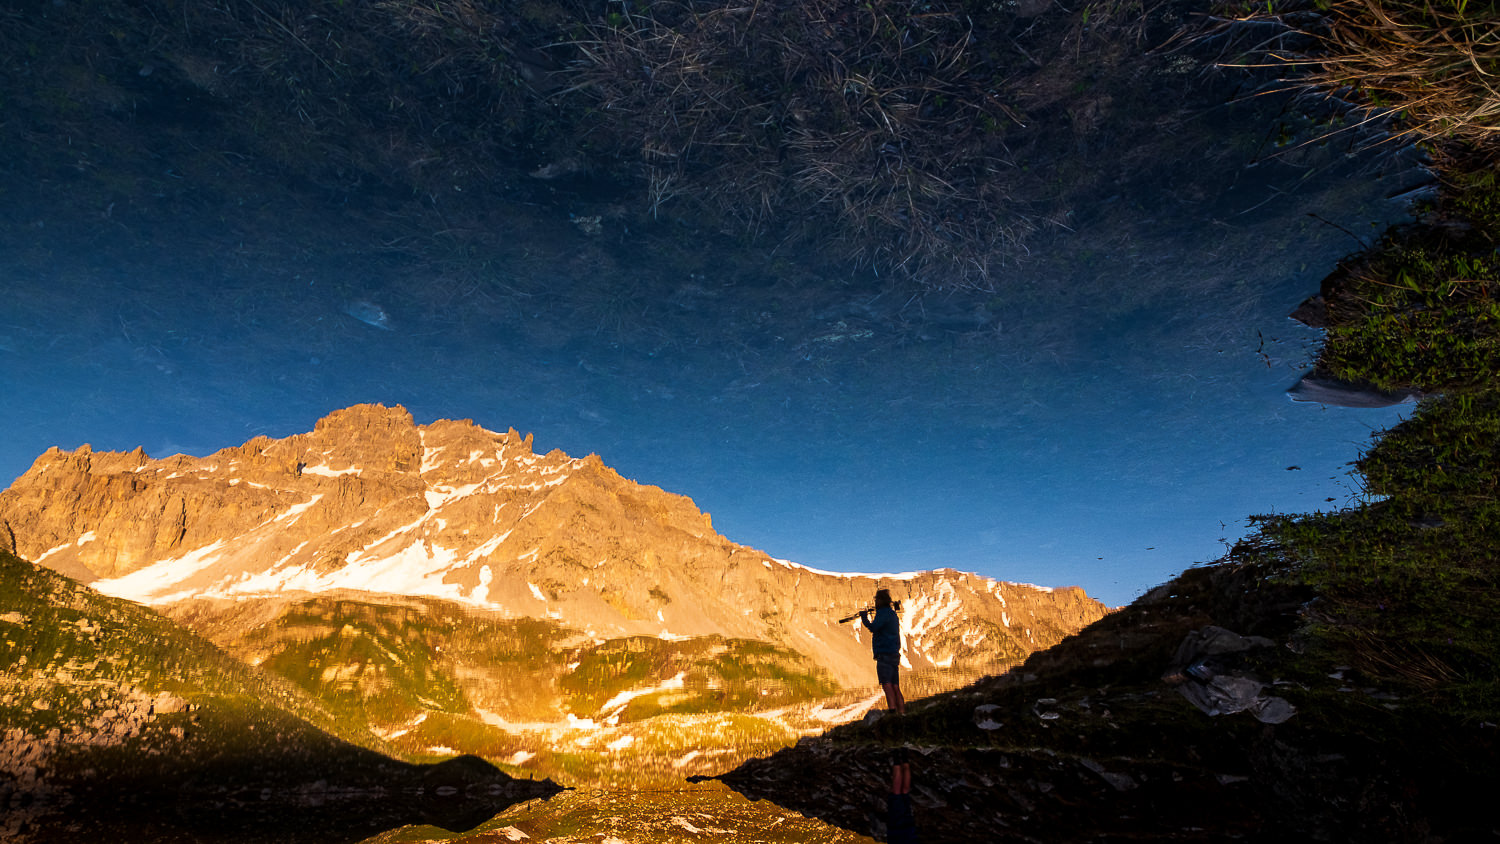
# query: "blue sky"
[1107,443]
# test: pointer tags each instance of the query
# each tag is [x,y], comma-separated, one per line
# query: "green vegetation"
[384,664]
[56,631]
[435,678]
[1407,586]
[368,669]
[1409,583]
[105,690]
[717,675]
[1422,308]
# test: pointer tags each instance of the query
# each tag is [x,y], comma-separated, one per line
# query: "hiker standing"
[885,641]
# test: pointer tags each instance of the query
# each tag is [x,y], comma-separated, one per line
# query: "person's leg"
[887,668]
[894,700]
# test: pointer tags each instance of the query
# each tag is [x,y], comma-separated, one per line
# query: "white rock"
[984,717]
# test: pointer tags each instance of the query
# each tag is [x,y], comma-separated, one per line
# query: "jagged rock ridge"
[370,501]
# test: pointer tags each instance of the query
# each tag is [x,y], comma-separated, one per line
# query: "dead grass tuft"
[863,125]
[1433,67]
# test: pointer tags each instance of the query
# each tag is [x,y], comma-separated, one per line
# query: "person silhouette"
[885,643]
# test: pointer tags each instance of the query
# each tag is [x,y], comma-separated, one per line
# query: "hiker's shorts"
[888,668]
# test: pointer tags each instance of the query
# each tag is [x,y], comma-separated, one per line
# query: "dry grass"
[1433,67]
[810,113]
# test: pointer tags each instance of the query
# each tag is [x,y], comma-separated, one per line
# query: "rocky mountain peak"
[367,436]
[371,502]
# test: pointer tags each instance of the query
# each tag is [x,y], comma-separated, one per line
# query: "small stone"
[984,717]
[1230,779]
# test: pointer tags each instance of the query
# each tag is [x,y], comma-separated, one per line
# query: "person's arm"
[864,618]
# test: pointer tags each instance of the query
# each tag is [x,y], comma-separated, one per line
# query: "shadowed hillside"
[111,710]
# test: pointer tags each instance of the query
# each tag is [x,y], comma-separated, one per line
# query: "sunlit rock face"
[371,502]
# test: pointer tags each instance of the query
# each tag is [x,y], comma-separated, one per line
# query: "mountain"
[369,501]
[109,707]
[454,590]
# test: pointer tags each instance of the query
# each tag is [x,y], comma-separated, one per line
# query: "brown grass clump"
[1433,66]
[864,125]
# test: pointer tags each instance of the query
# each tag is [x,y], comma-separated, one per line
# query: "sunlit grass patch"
[660,750]
[98,689]
[649,676]
[1431,66]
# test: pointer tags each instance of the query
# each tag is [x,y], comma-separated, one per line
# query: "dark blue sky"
[1112,418]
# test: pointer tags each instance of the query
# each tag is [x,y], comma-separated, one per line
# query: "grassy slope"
[81,674]
[434,677]
[124,722]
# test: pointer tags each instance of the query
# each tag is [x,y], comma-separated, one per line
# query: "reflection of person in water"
[900,824]
[886,644]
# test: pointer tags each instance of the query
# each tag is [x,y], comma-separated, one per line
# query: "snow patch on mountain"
[438,496]
[932,612]
[83,539]
[151,582]
[417,569]
[850,575]
[331,473]
[613,706]
[481,593]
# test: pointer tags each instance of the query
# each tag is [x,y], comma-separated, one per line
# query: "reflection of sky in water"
[1097,435]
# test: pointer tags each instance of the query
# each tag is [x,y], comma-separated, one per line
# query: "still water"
[693,813]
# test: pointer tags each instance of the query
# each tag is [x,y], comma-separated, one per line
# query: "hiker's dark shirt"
[886,629]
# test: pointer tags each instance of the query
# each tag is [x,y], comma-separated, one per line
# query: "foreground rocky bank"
[1108,737]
